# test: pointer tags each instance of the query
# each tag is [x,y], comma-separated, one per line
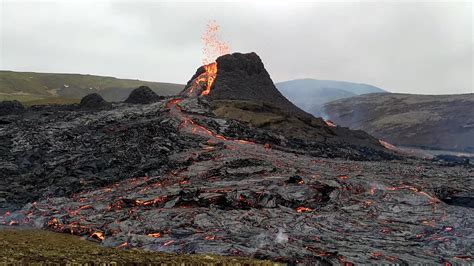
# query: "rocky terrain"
[181,175]
[444,122]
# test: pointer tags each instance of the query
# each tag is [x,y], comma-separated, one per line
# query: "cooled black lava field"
[171,176]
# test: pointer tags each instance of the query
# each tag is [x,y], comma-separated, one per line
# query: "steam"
[266,239]
[281,237]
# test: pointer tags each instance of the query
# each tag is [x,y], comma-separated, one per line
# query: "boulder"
[143,95]
[93,102]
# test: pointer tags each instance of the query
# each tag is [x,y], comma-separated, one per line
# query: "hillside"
[426,121]
[311,94]
[52,87]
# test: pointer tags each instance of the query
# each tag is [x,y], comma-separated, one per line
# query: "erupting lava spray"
[213,48]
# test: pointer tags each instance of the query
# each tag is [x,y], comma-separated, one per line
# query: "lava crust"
[220,171]
[199,189]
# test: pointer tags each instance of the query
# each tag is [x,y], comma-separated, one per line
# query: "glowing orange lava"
[98,235]
[343,177]
[155,235]
[303,209]
[123,245]
[387,145]
[432,199]
[210,237]
[211,72]
[330,123]
[213,48]
[173,102]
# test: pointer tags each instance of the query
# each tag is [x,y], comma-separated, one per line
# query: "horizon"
[275,82]
[447,27]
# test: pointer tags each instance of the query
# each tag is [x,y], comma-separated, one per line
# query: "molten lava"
[173,102]
[330,123]
[213,48]
[98,235]
[123,245]
[210,237]
[387,145]
[303,209]
[155,235]
[211,73]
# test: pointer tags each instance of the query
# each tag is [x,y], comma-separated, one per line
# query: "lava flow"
[188,123]
[330,123]
[211,73]
[387,145]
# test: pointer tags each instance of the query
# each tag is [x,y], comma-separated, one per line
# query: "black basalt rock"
[11,108]
[143,95]
[93,102]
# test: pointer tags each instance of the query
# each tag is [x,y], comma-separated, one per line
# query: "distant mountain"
[51,87]
[426,121]
[311,94]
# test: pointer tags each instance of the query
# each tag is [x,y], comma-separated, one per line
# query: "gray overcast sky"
[415,47]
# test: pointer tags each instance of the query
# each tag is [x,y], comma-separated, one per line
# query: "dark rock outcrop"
[93,102]
[11,108]
[143,95]
[244,77]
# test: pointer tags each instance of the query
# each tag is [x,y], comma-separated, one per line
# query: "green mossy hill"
[30,86]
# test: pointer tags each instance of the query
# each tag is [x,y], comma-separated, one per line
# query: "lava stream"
[188,122]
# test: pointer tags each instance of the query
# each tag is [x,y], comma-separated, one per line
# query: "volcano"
[244,77]
[234,169]
[241,88]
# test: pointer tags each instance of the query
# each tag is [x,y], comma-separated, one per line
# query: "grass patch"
[53,100]
[45,85]
[38,246]
[20,98]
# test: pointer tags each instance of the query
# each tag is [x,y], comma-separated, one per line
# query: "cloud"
[418,47]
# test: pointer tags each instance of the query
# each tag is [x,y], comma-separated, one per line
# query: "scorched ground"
[203,184]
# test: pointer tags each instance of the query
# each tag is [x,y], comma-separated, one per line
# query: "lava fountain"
[213,48]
